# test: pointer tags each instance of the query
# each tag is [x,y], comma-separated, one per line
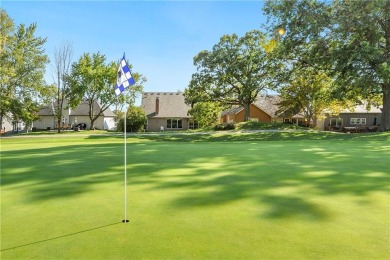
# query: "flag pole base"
[125,221]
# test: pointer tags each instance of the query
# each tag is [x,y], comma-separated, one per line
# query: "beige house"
[71,117]
[10,125]
[166,111]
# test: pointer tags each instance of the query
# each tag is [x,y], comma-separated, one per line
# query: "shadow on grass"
[254,136]
[50,173]
[59,237]
[206,171]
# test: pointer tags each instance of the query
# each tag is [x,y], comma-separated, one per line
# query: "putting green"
[202,197]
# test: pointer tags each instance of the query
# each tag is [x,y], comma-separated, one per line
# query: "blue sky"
[160,38]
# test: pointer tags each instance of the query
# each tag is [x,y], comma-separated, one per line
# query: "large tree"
[351,39]
[22,70]
[308,93]
[233,72]
[93,80]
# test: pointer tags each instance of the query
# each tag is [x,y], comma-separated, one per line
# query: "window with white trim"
[336,121]
[357,121]
[174,123]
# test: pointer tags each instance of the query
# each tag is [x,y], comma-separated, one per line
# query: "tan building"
[71,117]
[166,111]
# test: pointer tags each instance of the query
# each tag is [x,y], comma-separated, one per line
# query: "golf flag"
[124,78]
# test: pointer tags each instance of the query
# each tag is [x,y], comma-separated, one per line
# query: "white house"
[71,117]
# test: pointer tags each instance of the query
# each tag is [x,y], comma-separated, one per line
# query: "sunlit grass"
[253,196]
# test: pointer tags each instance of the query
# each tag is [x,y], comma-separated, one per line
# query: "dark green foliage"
[206,113]
[135,120]
[265,126]
[349,39]
[224,126]
[23,61]
[233,72]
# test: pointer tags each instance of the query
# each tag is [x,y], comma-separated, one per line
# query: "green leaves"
[93,79]
[350,40]
[23,62]
[233,72]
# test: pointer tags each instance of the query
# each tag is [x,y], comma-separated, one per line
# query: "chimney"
[157,106]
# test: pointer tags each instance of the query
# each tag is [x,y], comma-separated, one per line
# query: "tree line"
[23,89]
[318,54]
[330,55]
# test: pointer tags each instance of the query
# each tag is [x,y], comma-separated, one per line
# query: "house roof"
[170,104]
[362,108]
[232,111]
[267,103]
[46,111]
[81,110]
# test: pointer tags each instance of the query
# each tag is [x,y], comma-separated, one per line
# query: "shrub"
[224,126]
[135,120]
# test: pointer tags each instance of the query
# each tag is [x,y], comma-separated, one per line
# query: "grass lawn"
[272,195]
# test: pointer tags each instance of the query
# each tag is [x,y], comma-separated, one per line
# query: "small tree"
[93,79]
[62,64]
[135,120]
[206,113]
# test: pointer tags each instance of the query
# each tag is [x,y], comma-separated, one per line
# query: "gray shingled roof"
[232,111]
[46,111]
[81,110]
[362,108]
[171,104]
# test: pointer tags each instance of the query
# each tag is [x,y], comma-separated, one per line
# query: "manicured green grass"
[272,195]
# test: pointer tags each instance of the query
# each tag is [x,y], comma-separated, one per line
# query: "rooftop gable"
[165,104]
[81,110]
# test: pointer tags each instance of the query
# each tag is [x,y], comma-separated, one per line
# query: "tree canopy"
[92,79]
[308,93]
[22,69]
[206,113]
[233,72]
[349,39]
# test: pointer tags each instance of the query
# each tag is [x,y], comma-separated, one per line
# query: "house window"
[174,123]
[193,124]
[357,121]
[336,122]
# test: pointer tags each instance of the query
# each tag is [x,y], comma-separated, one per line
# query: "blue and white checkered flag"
[125,78]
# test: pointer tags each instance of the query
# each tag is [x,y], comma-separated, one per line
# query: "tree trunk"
[1,121]
[385,124]
[247,111]
[59,125]
[92,127]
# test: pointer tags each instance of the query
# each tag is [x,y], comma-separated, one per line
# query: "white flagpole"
[125,220]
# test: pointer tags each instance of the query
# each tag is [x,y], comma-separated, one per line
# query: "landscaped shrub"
[224,126]
[135,120]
